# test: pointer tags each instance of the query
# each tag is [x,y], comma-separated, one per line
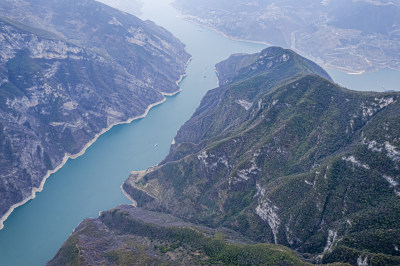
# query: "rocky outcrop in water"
[79,68]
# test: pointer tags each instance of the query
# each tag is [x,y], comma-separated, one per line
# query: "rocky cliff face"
[283,155]
[140,47]
[69,78]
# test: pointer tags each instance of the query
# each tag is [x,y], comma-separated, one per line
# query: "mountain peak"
[242,66]
[283,155]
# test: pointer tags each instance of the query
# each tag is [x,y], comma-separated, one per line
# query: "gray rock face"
[59,91]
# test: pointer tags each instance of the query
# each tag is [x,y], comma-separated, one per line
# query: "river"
[91,183]
[384,79]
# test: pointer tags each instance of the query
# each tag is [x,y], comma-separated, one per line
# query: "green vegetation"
[341,253]
[135,253]
[277,154]
[70,252]
[283,155]
[197,245]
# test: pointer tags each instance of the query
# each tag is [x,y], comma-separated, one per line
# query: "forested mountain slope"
[283,155]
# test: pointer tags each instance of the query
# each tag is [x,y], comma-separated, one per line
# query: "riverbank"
[187,18]
[82,152]
[91,183]
[134,203]
[194,20]
[74,156]
[169,94]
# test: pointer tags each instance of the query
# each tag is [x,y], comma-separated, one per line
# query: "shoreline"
[90,143]
[193,19]
[187,18]
[323,65]
[134,203]
[184,75]
[74,156]
[170,94]
[217,75]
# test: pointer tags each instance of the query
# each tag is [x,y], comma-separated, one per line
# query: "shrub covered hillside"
[131,236]
[282,155]
[278,155]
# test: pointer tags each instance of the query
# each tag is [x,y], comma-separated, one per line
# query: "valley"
[91,183]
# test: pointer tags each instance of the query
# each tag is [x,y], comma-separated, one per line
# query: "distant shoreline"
[324,65]
[82,152]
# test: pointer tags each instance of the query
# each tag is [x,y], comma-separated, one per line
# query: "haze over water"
[91,183]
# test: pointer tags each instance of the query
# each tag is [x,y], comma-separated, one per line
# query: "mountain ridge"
[280,155]
[246,177]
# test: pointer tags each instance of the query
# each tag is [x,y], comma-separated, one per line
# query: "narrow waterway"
[91,183]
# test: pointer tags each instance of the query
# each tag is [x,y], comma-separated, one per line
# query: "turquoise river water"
[91,183]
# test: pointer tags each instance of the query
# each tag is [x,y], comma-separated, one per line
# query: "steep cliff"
[285,156]
[79,68]
[277,154]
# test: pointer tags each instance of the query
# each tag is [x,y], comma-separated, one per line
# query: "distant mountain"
[68,71]
[282,155]
[369,18]
[355,36]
